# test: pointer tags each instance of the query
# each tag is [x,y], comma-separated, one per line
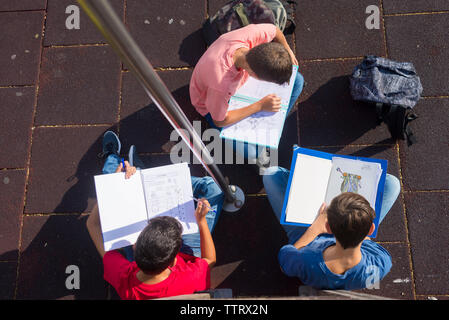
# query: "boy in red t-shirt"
[159,265]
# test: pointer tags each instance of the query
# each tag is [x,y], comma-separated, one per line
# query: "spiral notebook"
[262,128]
[126,205]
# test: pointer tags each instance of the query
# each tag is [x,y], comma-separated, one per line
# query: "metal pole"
[115,32]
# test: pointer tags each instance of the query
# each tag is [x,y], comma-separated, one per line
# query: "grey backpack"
[239,13]
[393,87]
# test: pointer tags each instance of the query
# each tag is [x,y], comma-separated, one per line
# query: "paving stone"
[393,226]
[49,245]
[424,163]
[20,47]
[411,6]
[12,189]
[17,114]
[174,25]
[428,218]
[327,113]
[422,40]
[78,86]
[141,122]
[8,272]
[336,29]
[56,31]
[253,269]
[397,284]
[62,167]
[22,5]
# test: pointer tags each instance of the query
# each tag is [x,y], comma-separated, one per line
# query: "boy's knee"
[270,173]
[393,183]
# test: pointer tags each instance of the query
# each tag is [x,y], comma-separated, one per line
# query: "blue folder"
[319,154]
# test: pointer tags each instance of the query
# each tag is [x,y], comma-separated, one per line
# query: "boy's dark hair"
[158,244]
[270,62]
[350,217]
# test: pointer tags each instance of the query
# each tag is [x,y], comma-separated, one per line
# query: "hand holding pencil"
[202,209]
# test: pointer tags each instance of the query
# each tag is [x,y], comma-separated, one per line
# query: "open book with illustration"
[262,128]
[126,205]
[318,177]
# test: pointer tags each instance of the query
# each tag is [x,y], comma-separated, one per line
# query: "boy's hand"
[201,210]
[292,56]
[129,170]
[319,224]
[271,103]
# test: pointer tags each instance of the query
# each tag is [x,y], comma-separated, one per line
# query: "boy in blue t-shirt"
[337,254]
[335,251]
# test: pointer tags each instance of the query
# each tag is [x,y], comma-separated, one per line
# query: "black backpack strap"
[411,139]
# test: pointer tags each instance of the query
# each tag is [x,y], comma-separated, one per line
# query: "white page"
[255,89]
[168,192]
[349,175]
[308,188]
[122,209]
[262,128]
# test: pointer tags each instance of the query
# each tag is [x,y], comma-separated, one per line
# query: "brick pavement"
[60,90]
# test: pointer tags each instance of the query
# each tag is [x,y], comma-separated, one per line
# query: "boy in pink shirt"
[228,63]
[257,50]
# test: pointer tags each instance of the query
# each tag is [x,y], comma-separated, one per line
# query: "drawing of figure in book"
[351,182]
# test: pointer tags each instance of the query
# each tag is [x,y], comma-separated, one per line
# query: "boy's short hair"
[270,62]
[350,217]
[158,244]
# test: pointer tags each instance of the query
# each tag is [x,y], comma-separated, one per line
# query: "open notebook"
[126,205]
[318,177]
[262,128]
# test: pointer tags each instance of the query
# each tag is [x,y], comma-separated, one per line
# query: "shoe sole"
[131,155]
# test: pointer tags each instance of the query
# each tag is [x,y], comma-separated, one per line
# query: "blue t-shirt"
[308,265]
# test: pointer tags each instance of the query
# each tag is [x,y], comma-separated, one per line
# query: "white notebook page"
[308,188]
[121,204]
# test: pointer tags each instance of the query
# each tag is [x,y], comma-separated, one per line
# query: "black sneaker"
[111,145]
[134,159]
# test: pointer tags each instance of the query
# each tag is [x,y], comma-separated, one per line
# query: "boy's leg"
[296,92]
[111,164]
[204,188]
[391,192]
[275,182]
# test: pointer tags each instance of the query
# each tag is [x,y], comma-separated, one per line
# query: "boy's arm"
[206,241]
[279,37]
[270,103]
[318,227]
[94,229]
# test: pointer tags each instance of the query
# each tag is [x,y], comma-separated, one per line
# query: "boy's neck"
[152,278]
[339,260]
[239,58]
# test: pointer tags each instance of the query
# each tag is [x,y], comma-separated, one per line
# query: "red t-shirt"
[189,274]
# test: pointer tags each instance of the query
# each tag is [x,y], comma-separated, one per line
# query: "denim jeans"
[275,183]
[204,187]
[251,151]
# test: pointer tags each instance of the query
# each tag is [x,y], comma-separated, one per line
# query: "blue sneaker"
[111,145]
[134,159]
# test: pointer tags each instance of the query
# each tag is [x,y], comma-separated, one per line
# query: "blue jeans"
[202,188]
[251,151]
[275,184]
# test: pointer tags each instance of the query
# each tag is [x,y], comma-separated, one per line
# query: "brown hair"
[350,217]
[270,62]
